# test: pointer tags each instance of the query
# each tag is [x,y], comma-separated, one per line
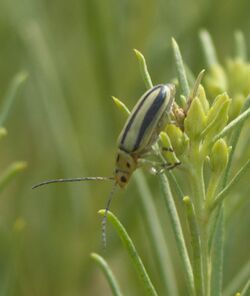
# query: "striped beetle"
[136,139]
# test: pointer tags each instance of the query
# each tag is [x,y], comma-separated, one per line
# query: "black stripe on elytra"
[135,113]
[149,116]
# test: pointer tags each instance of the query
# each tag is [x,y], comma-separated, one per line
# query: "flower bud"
[168,151]
[236,105]
[195,120]
[178,139]
[238,72]
[219,156]
[216,81]
[217,116]
[203,99]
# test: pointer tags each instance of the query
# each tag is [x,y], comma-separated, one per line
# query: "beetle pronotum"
[136,139]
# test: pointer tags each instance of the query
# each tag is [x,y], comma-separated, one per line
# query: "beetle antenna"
[72,180]
[104,219]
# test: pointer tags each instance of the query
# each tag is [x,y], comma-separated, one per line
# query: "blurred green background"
[64,124]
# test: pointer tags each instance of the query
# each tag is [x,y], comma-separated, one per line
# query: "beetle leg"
[167,149]
[157,167]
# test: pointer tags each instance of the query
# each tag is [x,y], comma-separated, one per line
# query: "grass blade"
[108,273]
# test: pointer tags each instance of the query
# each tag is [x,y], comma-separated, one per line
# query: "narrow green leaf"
[238,280]
[208,48]
[108,273]
[234,142]
[129,246]
[177,186]
[11,96]
[177,228]
[197,83]
[196,245]
[121,106]
[182,76]
[221,196]
[240,45]
[190,75]
[233,124]
[11,172]
[144,69]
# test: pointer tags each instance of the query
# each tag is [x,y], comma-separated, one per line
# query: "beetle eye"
[128,165]
[123,179]
[118,157]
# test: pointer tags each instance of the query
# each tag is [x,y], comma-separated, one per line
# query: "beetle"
[140,132]
[142,129]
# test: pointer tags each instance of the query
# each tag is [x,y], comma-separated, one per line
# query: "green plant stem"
[199,194]
[217,254]
[212,186]
[176,225]
[196,246]
[108,273]
[129,246]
